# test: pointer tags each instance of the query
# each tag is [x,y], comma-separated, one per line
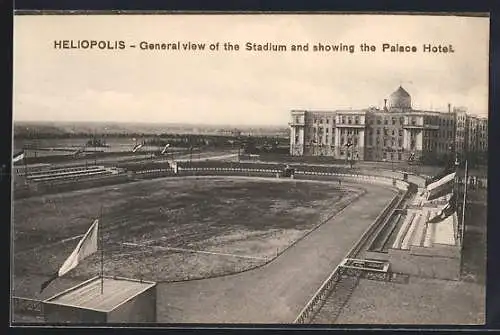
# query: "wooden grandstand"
[70,173]
[413,245]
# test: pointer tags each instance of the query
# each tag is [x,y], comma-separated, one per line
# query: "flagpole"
[25,163]
[102,251]
[463,207]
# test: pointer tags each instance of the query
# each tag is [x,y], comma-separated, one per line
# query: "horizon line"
[158,123]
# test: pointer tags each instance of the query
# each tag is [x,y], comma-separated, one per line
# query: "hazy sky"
[241,87]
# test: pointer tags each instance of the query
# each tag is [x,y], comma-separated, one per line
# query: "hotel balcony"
[296,124]
[408,125]
[350,125]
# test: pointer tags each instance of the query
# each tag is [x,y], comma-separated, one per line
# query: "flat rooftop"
[88,294]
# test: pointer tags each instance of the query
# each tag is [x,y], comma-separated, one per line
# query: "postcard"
[256,168]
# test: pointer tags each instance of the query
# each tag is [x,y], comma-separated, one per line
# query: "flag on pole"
[446,211]
[165,149]
[441,187]
[449,168]
[17,157]
[86,247]
[137,147]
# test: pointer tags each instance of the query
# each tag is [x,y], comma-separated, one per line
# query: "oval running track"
[277,291]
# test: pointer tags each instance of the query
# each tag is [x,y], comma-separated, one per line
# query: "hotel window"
[327,121]
[297,139]
[343,119]
[321,121]
[356,120]
[401,120]
[393,132]
[393,121]
[349,120]
[400,143]
[385,121]
[297,119]
[355,142]
[327,130]
[378,131]
[400,132]
[379,121]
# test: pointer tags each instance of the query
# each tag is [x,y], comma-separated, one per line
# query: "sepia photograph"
[291,169]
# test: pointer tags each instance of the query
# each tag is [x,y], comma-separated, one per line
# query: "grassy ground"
[237,223]
[421,301]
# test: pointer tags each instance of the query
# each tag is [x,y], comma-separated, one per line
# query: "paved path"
[276,292]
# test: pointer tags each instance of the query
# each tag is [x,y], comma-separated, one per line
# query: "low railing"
[400,184]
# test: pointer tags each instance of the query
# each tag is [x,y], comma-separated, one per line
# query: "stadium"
[277,240]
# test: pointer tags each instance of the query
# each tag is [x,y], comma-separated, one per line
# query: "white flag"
[137,147]
[441,187]
[18,157]
[165,149]
[86,247]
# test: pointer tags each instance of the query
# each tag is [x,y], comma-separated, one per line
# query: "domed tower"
[400,99]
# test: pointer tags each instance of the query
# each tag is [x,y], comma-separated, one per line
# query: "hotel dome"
[400,99]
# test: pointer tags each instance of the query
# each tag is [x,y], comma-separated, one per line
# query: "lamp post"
[457,163]
[190,155]
[392,159]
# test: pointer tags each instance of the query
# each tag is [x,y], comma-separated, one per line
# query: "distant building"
[395,133]
[229,132]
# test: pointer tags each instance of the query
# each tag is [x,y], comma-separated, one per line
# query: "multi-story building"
[396,132]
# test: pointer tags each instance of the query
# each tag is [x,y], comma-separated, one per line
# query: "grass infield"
[167,230]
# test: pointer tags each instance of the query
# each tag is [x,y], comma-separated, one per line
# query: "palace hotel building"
[394,133]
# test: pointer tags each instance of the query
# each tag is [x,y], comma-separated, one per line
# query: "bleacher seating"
[438,201]
[403,230]
[445,233]
[70,173]
[410,234]
[419,232]
[431,230]
[419,198]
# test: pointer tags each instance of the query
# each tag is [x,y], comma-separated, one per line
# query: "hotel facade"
[395,133]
